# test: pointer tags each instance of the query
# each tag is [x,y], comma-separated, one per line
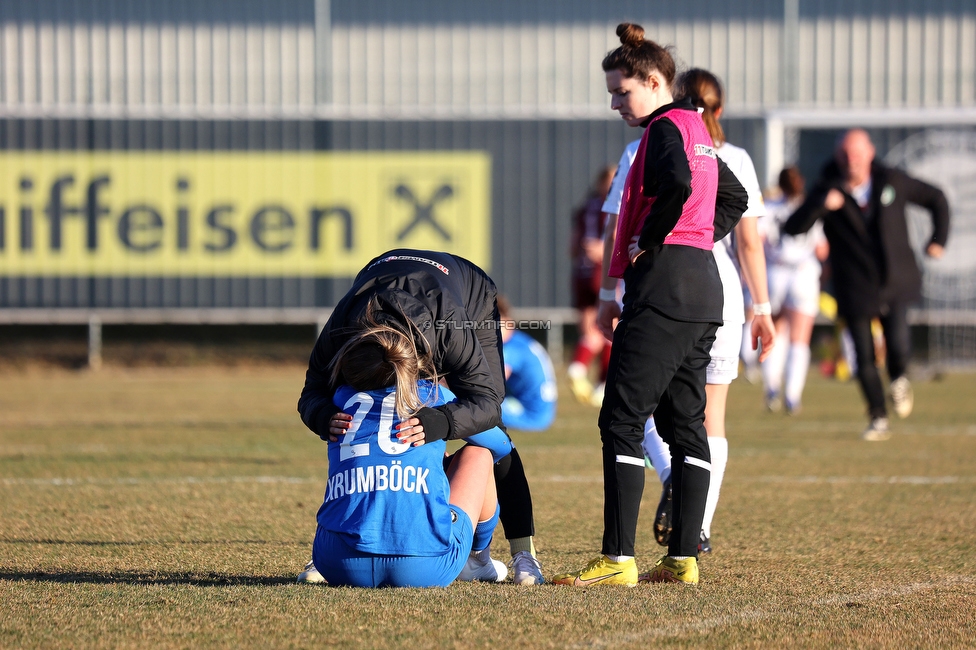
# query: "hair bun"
[630,34]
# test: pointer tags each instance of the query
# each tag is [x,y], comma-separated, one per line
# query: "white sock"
[657,450]
[847,347]
[796,372]
[620,558]
[719,449]
[484,555]
[576,370]
[775,364]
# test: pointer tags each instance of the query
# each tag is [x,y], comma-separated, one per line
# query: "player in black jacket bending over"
[448,305]
[862,204]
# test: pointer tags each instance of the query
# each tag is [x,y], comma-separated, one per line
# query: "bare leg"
[472,483]
[717,395]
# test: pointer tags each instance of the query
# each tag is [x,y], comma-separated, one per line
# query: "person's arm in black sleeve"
[469,375]
[315,405]
[731,200]
[809,212]
[932,199]
[667,177]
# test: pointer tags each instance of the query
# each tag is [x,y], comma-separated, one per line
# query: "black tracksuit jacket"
[870,253]
[452,303]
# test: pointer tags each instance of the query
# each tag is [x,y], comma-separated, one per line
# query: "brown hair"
[380,356]
[504,307]
[705,91]
[791,181]
[637,57]
[603,180]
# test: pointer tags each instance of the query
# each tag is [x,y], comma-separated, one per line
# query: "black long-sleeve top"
[452,304]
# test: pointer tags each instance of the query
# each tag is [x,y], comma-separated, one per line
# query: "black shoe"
[662,519]
[704,546]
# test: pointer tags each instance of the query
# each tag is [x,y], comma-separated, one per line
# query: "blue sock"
[483,532]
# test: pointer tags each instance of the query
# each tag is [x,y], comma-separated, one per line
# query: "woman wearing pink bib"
[678,200]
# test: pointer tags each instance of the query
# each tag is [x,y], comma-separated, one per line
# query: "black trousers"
[898,341]
[657,365]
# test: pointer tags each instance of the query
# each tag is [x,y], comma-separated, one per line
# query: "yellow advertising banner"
[236,213]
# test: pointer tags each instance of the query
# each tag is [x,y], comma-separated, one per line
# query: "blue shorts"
[340,564]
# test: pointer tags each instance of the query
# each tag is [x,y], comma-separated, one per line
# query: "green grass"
[173,508]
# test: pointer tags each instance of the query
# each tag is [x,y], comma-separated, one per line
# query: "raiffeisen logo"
[125,213]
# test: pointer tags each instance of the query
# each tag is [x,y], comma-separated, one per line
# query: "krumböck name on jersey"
[395,477]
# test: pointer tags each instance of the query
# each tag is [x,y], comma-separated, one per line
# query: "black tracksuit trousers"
[657,365]
[898,341]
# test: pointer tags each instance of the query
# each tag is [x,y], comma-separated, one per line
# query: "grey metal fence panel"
[144,57]
[541,170]
[450,60]
[519,79]
[525,56]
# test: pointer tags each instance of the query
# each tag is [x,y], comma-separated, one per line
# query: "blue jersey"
[530,388]
[384,497]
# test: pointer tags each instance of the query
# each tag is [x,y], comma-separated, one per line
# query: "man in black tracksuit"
[448,305]
[862,204]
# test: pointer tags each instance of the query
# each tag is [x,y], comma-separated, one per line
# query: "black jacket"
[870,253]
[452,303]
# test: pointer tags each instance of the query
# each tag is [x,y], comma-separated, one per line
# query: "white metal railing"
[552,320]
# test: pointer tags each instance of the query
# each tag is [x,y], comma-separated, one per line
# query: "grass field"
[173,508]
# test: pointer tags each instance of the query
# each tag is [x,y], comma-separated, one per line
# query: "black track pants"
[514,497]
[898,341]
[657,365]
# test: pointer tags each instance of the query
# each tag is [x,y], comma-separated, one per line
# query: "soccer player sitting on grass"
[392,516]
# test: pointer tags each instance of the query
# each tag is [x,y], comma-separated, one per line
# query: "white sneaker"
[311,575]
[526,569]
[902,396]
[877,431]
[480,566]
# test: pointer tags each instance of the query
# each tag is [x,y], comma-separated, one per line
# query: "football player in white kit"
[793,267]
[705,89]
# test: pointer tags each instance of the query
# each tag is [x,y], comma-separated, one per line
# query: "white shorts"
[724,366]
[796,288]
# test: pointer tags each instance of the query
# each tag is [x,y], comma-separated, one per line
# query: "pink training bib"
[696,225]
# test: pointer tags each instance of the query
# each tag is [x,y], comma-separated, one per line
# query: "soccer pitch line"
[782,610]
[296,480]
[876,480]
[855,426]
[840,480]
[175,480]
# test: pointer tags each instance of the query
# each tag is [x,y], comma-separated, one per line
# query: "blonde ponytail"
[380,356]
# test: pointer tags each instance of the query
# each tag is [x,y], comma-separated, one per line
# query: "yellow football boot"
[669,569]
[601,571]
